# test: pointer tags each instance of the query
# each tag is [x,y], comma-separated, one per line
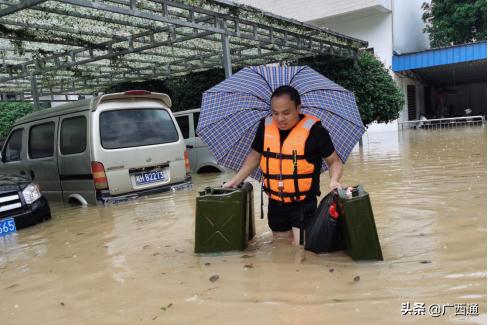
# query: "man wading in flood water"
[289,148]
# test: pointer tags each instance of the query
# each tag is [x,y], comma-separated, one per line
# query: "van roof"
[90,104]
[166,101]
[78,106]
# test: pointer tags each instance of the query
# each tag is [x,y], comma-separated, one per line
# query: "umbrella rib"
[267,83]
[244,133]
[329,89]
[230,92]
[302,68]
[218,121]
[342,117]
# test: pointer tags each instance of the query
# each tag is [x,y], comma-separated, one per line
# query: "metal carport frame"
[84,46]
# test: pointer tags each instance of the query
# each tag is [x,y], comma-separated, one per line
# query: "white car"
[201,159]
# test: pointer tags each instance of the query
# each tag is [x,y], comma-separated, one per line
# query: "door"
[411,102]
[13,153]
[74,157]
[42,157]
[185,122]
[206,161]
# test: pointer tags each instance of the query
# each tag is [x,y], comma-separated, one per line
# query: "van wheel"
[208,169]
[77,199]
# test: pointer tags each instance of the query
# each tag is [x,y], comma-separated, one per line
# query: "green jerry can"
[360,235]
[224,219]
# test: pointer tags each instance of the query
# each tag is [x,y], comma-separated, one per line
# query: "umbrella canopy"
[231,111]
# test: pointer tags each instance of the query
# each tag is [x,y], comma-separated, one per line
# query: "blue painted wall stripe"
[435,57]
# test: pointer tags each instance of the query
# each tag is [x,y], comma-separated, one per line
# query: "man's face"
[285,112]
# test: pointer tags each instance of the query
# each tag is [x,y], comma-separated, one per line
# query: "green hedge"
[11,111]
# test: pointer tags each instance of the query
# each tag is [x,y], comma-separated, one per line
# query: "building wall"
[61,99]
[365,19]
[307,10]
[403,82]
[57,100]
[376,29]
[369,20]
[408,35]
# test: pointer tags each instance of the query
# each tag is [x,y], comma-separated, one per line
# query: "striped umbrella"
[231,110]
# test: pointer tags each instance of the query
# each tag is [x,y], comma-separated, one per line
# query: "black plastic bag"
[324,232]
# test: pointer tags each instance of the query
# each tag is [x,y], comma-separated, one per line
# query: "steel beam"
[226,58]
[34,92]
[21,5]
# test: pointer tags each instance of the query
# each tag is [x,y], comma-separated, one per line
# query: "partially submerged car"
[201,159]
[105,148]
[21,203]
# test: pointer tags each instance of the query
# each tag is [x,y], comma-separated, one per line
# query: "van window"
[13,147]
[41,141]
[183,123]
[73,135]
[136,127]
[196,116]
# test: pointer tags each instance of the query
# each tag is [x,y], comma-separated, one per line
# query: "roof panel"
[441,56]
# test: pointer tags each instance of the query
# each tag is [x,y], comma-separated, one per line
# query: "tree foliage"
[377,95]
[11,111]
[451,22]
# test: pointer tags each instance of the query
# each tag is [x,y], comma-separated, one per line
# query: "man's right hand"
[250,163]
[230,184]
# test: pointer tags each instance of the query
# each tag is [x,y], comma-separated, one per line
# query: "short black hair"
[287,90]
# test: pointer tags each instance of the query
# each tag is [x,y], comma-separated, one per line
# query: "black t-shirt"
[317,146]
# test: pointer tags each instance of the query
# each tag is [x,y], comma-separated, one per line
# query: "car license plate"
[7,226]
[151,177]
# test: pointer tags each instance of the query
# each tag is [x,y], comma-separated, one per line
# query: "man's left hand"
[334,185]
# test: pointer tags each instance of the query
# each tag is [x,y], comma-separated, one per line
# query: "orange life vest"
[287,175]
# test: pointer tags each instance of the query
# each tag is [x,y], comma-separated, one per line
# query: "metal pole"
[355,60]
[226,53]
[34,92]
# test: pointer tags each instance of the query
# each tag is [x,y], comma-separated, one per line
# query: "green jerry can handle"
[207,190]
[245,186]
[217,191]
[355,192]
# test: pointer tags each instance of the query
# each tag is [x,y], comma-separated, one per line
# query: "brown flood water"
[133,262]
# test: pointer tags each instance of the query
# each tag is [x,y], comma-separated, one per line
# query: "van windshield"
[136,127]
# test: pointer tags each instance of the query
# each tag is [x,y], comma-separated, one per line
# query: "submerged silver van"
[201,159]
[105,148]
